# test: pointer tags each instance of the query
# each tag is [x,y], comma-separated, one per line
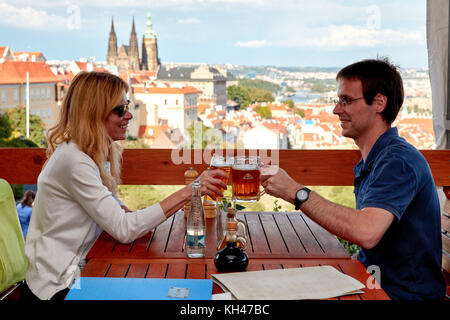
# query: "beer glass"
[245,173]
[223,163]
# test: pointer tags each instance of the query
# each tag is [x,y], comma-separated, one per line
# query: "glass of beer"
[223,163]
[245,174]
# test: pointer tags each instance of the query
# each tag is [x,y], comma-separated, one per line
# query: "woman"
[24,209]
[76,197]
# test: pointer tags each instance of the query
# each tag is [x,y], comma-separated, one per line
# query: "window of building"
[31,94]
[16,95]
[3,96]
[38,94]
[48,93]
[43,93]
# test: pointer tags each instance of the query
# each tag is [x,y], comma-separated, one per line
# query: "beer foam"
[245,166]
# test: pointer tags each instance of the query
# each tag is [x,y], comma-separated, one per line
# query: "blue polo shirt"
[397,178]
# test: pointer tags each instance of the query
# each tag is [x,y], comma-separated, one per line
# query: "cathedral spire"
[133,50]
[111,56]
[149,33]
[112,26]
[133,28]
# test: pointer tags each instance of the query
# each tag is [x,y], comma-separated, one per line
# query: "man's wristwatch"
[301,196]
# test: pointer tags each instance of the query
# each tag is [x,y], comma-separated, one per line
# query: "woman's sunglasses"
[122,109]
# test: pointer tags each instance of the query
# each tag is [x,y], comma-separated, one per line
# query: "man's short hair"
[378,76]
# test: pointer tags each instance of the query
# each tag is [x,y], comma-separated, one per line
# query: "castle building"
[130,58]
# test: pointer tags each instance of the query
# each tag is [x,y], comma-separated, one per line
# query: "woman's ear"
[379,102]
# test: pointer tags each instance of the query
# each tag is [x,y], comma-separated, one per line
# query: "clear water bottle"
[195,225]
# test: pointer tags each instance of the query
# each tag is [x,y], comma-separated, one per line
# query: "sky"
[297,33]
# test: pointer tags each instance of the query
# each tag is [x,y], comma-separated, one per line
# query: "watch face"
[302,195]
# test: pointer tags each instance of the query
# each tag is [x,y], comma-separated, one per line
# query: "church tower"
[133,50]
[150,59]
[111,56]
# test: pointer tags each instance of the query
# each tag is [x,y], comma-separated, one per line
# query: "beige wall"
[178,109]
[42,100]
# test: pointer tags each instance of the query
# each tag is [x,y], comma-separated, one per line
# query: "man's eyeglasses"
[122,109]
[346,102]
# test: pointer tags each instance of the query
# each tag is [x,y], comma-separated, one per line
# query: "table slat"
[329,244]
[160,237]
[258,243]
[290,237]
[273,235]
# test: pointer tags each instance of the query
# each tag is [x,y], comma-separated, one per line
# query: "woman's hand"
[211,182]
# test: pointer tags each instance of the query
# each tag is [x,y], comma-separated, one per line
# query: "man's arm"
[363,227]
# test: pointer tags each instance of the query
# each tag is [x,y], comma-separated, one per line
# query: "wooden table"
[276,240]
[183,268]
[271,235]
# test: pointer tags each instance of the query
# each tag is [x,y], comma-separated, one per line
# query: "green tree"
[6,132]
[5,126]
[248,95]
[300,112]
[290,103]
[264,112]
[260,85]
[17,117]
[240,95]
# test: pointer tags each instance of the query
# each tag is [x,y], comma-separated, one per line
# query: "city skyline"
[245,32]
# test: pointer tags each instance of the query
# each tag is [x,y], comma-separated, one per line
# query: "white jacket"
[71,209]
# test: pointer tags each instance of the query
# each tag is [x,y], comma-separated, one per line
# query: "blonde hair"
[87,104]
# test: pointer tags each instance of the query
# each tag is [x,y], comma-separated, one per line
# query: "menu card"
[321,282]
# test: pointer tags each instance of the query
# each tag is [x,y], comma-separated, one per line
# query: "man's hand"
[278,183]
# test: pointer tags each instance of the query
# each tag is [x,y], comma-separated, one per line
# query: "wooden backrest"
[156,166]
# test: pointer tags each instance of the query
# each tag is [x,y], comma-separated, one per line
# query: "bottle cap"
[191,173]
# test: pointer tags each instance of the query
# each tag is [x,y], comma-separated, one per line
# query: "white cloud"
[252,43]
[341,37]
[29,18]
[188,21]
[347,36]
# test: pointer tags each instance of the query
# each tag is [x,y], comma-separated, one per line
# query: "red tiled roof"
[16,72]
[157,130]
[275,127]
[82,65]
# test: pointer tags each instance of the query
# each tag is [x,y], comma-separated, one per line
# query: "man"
[397,217]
